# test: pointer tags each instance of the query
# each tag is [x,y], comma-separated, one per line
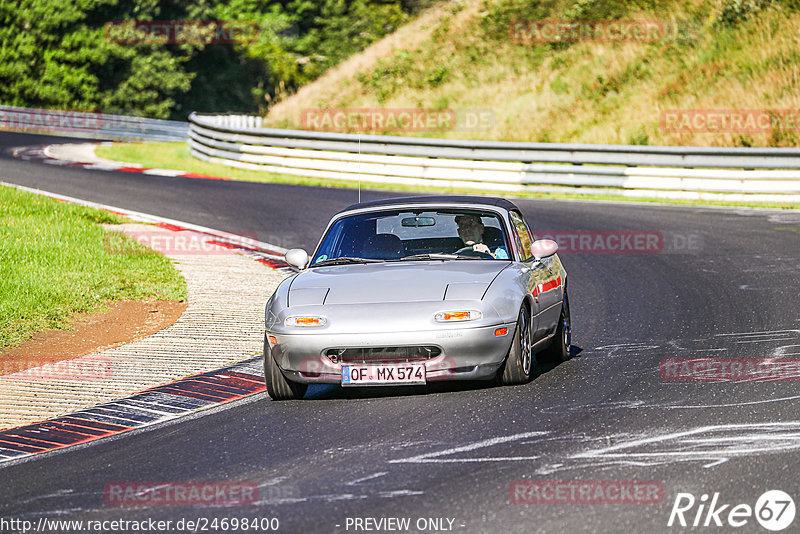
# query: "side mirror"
[297,257]
[544,248]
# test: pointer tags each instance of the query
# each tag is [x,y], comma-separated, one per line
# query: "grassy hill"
[460,56]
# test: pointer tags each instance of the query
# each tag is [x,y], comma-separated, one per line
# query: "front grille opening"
[383,354]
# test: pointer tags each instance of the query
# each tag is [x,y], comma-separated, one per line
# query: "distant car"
[413,290]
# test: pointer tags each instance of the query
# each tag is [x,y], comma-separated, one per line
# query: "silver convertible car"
[414,290]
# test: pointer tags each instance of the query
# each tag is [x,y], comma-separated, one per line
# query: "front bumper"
[466,353]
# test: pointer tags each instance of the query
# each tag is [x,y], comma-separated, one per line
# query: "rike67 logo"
[774,510]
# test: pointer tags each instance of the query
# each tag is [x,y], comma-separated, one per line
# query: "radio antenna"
[359,167]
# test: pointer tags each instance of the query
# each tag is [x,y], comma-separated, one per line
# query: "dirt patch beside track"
[124,322]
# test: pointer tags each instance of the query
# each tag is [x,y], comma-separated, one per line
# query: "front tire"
[517,369]
[278,386]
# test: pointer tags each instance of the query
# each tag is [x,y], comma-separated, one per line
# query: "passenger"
[470,230]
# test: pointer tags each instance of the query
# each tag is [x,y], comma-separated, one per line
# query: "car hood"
[394,282]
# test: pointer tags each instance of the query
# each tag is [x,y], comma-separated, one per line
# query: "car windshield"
[409,235]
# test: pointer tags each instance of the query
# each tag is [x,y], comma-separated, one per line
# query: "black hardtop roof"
[488,201]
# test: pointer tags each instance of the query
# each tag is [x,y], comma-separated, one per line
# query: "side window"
[522,235]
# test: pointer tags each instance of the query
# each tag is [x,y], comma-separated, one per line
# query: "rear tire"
[517,369]
[278,386]
[559,349]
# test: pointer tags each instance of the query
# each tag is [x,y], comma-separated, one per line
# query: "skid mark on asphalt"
[640,405]
[399,493]
[763,336]
[783,351]
[617,349]
[739,343]
[437,457]
[361,480]
[785,344]
[392,446]
[710,445]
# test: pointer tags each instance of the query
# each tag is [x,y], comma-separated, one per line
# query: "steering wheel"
[467,251]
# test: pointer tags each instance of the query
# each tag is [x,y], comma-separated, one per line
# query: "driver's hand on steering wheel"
[481,247]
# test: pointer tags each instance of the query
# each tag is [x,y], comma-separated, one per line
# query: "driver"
[470,230]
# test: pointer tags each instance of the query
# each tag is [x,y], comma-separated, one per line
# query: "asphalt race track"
[722,283]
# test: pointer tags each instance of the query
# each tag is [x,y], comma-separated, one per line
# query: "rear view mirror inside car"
[416,222]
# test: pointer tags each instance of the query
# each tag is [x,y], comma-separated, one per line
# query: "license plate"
[383,375]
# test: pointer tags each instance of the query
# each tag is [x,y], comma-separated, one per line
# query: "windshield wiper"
[436,256]
[346,260]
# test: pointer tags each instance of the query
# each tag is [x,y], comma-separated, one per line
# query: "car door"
[544,280]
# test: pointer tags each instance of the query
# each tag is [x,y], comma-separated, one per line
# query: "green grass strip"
[56,260]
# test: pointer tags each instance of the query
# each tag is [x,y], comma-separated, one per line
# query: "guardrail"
[666,172]
[91,125]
